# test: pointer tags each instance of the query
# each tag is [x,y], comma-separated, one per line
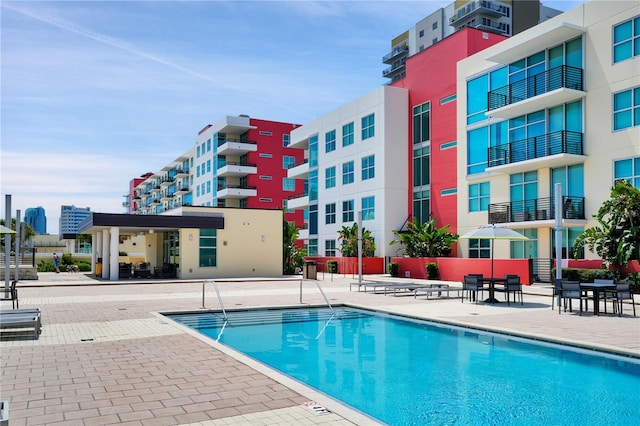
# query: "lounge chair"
[11,320]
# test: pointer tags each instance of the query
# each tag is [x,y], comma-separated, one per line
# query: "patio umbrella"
[5,230]
[493,232]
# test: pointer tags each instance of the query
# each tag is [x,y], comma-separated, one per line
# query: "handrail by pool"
[224,312]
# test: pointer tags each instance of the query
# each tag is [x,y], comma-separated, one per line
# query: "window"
[421,132]
[347,173]
[312,248]
[448,145]
[208,144]
[286,140]
[330,141]
[479,195]
[347,134]
[288,162]
[480,249]
[369,208]
[313,151]
[347,211]
[627,169]
[208,166]
[208,248]
[330,247]
[330,213]
[421,33]
[265,133]
[434,41]
[421,166]
[421,208]
[626,40]
[448,191]
[330,177]
[265,200]
[368,167]
[626,108]
[264,155]
[208,187]
[368,126]
[288,184]
[264,177]
[434,26]
[448,99]
[198,151]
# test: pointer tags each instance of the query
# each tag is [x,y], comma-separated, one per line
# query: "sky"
[95,93]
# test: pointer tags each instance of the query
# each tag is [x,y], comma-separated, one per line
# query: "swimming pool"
[405,372]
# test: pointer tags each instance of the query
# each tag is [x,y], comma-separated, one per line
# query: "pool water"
[405,372]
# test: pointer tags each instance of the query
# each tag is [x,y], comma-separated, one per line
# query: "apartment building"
[505,18]
[355,160]
[70,218]
[558,103]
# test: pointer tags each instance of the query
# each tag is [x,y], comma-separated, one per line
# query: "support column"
[94,249]
[114,254]
[105,253]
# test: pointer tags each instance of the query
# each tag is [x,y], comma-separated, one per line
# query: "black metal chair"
[571,291]
[621,293]
[557,292]
[513,285]
[472,286]
[13,295]
[607,294]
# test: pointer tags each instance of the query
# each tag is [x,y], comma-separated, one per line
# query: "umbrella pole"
[492,242]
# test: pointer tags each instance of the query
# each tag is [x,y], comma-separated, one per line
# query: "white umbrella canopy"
[493,232]
[5,230]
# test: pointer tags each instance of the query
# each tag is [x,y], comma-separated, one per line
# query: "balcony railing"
[560,142]
[221,187]
[395,52]
[299,163]
[299,195]
[555,78]
[535,209]
[221,164]
[393,68]
[222,142]
[482,6]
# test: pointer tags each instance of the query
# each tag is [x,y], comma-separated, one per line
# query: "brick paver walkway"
[106,357]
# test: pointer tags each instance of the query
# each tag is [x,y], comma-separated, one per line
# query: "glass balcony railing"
[536,209]
[563,76]
[560,142]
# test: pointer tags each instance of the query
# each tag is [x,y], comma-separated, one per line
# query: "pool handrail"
[224,312]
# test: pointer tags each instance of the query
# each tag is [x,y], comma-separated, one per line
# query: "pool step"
[271,316]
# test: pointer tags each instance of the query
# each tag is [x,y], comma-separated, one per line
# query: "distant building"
[70,217]
[35,217]
[505,18]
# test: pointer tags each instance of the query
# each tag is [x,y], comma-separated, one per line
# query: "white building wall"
[389,146]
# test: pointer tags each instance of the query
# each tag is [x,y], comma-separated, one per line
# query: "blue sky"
[96,93]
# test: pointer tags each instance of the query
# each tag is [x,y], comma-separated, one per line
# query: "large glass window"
[348,173]
[288,184]
[286,140]
[368,167]
[347,134]
[330,213]
[368,126]
[330,248]
[626,109]
[313,247]
[421,123]
[208,248]
[347,211]
[369,208]
[524,192]
[288,162]
[330,141]
[626,40]
[313,151]
[313,185]
[421,158]
[627,169]
[525,249]
[479,195]
[330,177]
[421,206]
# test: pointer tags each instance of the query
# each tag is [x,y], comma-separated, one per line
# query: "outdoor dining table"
[492,281]
[596,288]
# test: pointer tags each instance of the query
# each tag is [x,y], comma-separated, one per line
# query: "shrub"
[66,259]
[46,266]
[585,275]
[394,269]
[83,266]
[332,266]
[432,271]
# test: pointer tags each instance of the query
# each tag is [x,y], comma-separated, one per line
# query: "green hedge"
[394,269]
[433,273]
[332,266]
[585,275]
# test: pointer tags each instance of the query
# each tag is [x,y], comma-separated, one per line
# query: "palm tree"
[349,237]
[425,240]
[292,256]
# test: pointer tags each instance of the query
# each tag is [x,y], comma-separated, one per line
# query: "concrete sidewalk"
[106,357]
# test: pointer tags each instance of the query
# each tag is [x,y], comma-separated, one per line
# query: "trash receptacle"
[310,270]
[99,267]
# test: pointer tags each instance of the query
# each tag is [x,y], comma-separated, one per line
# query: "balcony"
[168,197]
[394,69]
[167,181]
[236,191]
[475,8]
[396,53]
[555,144]
[299,170]
[182,172]
[539,209]
[553,87]
[298,201]
[182,190]
[236,147]
[236,169]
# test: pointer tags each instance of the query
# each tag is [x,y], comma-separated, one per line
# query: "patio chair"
[571,291]
[607,294]
[472,286]
[13,295]
[513,285]
[622,292]
[557,291]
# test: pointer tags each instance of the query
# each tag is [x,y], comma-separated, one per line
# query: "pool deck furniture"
[21,319]
[492,281]
[437,288]
[12,295]
[359,284]
[596,288]
[621,293]
[571,290]
[472,285]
